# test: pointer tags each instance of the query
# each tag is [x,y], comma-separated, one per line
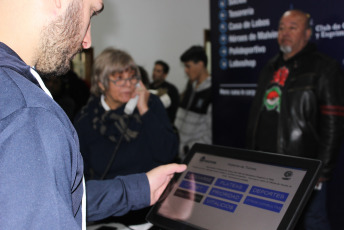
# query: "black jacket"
[311,112]
[173,93]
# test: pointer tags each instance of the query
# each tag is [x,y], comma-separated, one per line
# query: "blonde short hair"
[106,64]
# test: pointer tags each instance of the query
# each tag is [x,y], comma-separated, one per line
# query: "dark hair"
[144,76]
[195,54]
[164,65]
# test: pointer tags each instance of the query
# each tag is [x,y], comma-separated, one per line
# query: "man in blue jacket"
[41,169]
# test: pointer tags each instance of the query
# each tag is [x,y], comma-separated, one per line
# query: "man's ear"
[58,3]
[308,33]
[200,64]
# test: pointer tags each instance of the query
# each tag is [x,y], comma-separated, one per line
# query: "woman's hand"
[142,103]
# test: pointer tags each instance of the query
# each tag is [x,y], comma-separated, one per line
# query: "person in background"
[69,91]
[194,115]
[41,168]
[298,108]
[167,92]
[57,88]
[112,142]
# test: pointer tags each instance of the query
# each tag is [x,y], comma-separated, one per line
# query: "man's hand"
[159,177]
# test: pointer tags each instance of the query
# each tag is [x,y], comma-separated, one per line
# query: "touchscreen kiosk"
[236,189]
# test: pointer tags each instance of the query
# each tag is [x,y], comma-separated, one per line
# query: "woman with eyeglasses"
[140,141]
[136,142]
[112,142]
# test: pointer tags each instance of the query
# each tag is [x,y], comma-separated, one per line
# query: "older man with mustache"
[299,106]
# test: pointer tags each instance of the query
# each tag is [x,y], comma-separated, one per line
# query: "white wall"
[151,30]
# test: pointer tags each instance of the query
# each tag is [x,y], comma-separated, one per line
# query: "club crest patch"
[272,99]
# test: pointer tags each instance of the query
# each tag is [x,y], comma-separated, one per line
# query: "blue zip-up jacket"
[41,168]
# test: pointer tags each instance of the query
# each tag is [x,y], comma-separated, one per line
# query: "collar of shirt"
[105,106]
[40,81]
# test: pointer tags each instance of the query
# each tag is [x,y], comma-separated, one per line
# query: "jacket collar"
[11,60]
[278,59]
[309,48]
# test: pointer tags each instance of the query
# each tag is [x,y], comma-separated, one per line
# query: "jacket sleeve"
[36,172]
[175,99]
[331,96]
[207,137]
[115,197]
[159,132]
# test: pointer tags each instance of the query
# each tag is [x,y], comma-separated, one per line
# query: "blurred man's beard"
[60,42]
[285,49]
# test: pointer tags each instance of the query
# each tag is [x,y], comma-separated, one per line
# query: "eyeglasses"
[122,81]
